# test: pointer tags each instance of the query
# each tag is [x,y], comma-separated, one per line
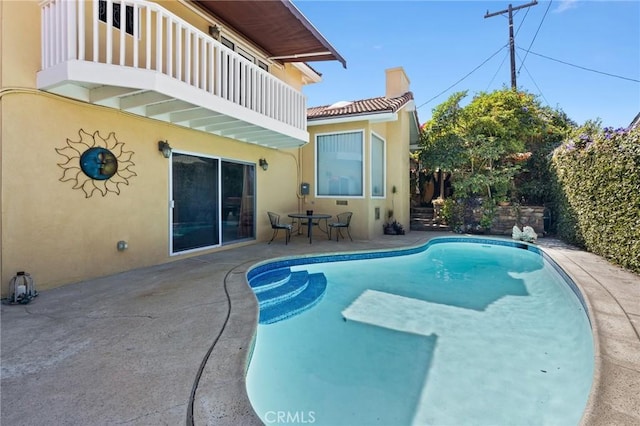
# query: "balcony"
[154,64]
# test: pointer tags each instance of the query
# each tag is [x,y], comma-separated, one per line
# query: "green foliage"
[597,192]
[484,142]
[453,214]
[488,213]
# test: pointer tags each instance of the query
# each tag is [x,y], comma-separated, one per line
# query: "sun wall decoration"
[96,164]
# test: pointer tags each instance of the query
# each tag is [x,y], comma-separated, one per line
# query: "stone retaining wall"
[507,216]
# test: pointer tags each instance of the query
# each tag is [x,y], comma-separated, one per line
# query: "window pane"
[377,166]
[195,202]
[339,164]
[237,201]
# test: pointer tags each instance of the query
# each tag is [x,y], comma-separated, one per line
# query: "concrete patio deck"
[168,344]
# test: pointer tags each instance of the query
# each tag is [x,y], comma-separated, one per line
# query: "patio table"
[310,218]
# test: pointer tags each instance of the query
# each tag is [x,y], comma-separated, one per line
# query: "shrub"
[597,193]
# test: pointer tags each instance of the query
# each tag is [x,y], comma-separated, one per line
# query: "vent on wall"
[341,202]
[377,213]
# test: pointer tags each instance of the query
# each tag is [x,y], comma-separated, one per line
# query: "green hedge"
[597,194]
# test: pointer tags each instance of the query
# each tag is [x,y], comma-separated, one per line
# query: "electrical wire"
[581,67]
[497,71]
[534,82]
[535,35]
[459,81]
[523,19]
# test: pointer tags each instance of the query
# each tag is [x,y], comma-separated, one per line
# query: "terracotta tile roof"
[361,107]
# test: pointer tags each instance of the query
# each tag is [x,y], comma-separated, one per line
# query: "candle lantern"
[22,288]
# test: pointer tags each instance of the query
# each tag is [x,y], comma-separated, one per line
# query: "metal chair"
[274,218]
[344,221]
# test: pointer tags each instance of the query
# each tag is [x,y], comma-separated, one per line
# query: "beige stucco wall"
[58,235]
[53,231]
[20,43]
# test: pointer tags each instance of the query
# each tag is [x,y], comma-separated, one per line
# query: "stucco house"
[134,133]
[358,159]
[92,91]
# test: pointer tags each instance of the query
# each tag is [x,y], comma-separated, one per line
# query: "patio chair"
[344,221]
[274,218]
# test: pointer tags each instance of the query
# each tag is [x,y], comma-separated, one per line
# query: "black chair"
[344,221]
[274,218]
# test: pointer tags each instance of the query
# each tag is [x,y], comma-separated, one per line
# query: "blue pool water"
[460,331]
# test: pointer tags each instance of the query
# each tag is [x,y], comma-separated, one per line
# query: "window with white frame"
[339,165]
[377,166]
[244,53]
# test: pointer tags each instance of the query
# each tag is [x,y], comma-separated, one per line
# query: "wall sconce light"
[263,163]
[214,31]
[165,148]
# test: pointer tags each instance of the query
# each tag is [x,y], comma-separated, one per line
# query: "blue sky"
[439,42]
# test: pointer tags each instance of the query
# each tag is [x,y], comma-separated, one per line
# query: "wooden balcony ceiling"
[278,27]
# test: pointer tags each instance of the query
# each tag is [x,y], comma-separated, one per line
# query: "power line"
[454,84]
[581,67]
[534,82]
[535,35]
[506,55]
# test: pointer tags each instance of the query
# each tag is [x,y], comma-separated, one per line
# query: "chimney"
[397,82]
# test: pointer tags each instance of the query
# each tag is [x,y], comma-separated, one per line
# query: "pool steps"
[282,294]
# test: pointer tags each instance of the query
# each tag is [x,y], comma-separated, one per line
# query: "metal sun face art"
[96,164]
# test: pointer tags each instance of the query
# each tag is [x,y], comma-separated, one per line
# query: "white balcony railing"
[148,37]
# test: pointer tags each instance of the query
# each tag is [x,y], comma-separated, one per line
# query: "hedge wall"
[597,194]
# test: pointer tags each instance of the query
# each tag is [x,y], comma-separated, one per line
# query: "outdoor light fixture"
[214,31]
[263,163]
[165,148]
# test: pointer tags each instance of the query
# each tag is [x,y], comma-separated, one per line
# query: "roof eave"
[378,117]
[309,26]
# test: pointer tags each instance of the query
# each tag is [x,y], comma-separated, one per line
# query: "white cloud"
[566,5]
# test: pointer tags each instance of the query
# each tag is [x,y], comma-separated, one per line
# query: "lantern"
[22,288]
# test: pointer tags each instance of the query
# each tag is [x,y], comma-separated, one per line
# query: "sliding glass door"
[237,201]
[213,202]
[195,202]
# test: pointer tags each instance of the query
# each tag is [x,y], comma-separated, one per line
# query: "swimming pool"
[458,331]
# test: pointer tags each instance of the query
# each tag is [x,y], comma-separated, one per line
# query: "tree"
[485,142]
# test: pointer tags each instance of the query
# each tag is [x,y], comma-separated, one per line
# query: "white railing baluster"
[203,63]
[147,23]
[236,80]
[187,59]
[123,30]
[96,29]
[136,35]
[159,41]
[218,66]
[179,51]
[109,31]
[81,31]
[211,68]
[169,48]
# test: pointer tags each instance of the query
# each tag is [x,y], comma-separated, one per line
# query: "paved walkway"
[168,345]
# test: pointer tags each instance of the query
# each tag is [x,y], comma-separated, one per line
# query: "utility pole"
[512,43]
